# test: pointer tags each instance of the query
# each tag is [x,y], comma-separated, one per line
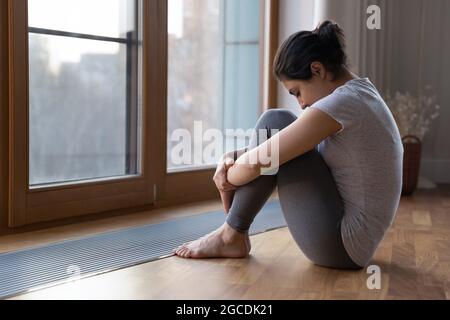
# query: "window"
[92,105]
[84,92]
[214,76]
[80,108]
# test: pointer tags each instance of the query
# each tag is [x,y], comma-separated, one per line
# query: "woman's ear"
[317,69]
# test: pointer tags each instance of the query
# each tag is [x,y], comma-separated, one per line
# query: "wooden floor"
[414,259]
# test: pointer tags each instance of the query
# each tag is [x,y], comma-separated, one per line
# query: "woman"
[340,163]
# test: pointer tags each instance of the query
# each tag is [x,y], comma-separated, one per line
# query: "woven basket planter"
[411,163]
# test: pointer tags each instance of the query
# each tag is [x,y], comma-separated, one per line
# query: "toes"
[181,252]
[178,250]
[186,253]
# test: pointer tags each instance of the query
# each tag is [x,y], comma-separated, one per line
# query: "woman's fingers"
[227,186]
[220,179]
[223,197]
[227,200]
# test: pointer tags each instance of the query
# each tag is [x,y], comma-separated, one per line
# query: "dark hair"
[325,44]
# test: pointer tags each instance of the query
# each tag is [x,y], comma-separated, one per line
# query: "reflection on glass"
[83,109]
[213,73]
[109,18]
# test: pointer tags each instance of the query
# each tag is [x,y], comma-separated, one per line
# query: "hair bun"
[325,44]
[331,34]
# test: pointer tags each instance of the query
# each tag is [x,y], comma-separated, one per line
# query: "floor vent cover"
[40,267]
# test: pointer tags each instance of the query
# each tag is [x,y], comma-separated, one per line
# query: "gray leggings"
[308,196]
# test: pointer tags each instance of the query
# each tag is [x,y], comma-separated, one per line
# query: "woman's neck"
[346,76]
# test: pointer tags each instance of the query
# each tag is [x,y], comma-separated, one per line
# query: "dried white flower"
[413,114]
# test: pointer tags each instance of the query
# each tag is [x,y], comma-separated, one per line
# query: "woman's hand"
[226,189]
[227,199]
[220,176]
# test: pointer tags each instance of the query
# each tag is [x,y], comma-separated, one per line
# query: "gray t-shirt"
[366,160]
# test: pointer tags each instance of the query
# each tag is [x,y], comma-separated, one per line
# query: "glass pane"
[83,110]
[213,78]
[242,20]
[98,17]
[241,89]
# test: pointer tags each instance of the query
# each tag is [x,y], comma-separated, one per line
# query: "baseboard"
[437,170]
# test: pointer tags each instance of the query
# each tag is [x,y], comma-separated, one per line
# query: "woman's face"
[307,92]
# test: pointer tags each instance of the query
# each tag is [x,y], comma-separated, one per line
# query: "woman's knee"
[277,118]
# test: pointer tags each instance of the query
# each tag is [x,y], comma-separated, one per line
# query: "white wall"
[295,15]
[393,57]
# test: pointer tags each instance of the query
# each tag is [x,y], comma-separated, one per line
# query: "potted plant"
[413,116]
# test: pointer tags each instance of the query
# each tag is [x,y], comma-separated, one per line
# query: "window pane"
[241,88]
[242,20]
[213,76]
[84,114]
[98,17]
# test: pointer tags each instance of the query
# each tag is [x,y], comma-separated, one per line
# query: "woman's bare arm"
[301,136]
[234,154]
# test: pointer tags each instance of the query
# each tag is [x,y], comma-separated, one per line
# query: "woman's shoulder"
[361,88]
[344,99]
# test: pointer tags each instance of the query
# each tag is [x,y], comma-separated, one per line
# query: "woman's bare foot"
[225,242]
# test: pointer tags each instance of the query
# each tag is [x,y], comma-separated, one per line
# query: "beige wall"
[432,58]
